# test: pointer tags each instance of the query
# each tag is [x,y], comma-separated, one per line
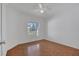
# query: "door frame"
[3,28]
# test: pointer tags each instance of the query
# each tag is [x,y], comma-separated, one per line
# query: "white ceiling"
[33,8]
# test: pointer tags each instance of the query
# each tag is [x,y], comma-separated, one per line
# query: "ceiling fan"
[41,8]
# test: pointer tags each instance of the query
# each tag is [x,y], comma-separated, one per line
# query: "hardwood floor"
[42,48]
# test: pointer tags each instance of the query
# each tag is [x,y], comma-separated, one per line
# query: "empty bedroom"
[39,29]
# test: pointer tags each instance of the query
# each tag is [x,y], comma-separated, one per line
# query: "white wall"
[16,28]
[63,27]
[0,29]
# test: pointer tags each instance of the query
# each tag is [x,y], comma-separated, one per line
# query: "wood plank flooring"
[42,48]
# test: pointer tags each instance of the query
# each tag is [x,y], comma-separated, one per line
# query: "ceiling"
[50,9]
[33,8]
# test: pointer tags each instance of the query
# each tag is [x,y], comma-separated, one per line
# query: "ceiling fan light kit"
[41,8]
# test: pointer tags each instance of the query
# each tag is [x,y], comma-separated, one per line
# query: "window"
[32,28]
